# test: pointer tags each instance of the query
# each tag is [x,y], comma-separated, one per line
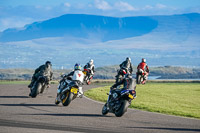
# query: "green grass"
[21,82]
[181,99]
[14,82]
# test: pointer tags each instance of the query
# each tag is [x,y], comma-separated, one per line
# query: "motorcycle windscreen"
[74,90]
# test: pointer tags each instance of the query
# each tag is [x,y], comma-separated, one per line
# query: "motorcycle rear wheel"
[66,101]
[42,89]
[138,79]
[122,109]
[35,90]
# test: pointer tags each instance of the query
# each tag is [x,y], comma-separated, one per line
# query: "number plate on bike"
[84,72]
[74,90]
[130,96]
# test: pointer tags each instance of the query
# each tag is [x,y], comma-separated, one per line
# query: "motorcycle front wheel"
[104,109]
[56,100]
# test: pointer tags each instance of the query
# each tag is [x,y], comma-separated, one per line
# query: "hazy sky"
[17,13]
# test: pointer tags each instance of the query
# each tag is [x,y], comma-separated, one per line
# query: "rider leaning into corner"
[125,65]
[43,70]
[143,67]
[77,76]
[128,84]
[90,66]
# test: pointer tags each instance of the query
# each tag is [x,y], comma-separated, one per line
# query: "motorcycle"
[120,74]
[67,91]
[119,101]
[87,77]
[140,76]
[39,85]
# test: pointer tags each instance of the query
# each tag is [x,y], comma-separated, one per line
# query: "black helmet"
[48,62]
[128,59]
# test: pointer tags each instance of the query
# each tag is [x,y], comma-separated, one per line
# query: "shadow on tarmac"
[83,115]
[169,129]
[14,96]
[28,105]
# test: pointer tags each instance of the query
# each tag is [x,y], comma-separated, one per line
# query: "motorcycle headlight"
[115,95]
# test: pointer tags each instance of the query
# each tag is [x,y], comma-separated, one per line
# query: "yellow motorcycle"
[67,91]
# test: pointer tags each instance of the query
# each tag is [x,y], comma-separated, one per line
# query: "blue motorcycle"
[118,101]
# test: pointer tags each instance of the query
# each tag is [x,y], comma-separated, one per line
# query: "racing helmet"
[48,64]
[143,60]
[91,61]
[128,59]
[77,66]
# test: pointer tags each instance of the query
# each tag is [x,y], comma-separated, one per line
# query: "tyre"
[35,90]
[66,101]
[138,79]
[104,109]
[42,89]
[122,109]
[56,101]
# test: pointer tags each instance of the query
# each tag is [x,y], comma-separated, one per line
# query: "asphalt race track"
[22,114]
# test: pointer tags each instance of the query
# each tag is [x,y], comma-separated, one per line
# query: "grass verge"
[21,82]
[181,99]
[14,82]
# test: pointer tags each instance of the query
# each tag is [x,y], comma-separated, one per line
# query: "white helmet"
[91,61]
[143,60]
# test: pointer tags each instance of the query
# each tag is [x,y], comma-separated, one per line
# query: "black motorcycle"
[39,86]
[119,101]
[67,91]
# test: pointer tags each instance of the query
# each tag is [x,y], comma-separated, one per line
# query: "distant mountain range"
[65,40]
[83,26]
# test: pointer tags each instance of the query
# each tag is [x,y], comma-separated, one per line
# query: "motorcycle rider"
[77,76]
[143,67]
[43,70]
[90,66]
[125,65]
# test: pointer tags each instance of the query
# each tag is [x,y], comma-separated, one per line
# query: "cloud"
[14,22]
[123,6]
[161,6]
[147,7]
[103,5]
[67,4]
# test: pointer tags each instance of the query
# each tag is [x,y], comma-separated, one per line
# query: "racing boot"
[80,93]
